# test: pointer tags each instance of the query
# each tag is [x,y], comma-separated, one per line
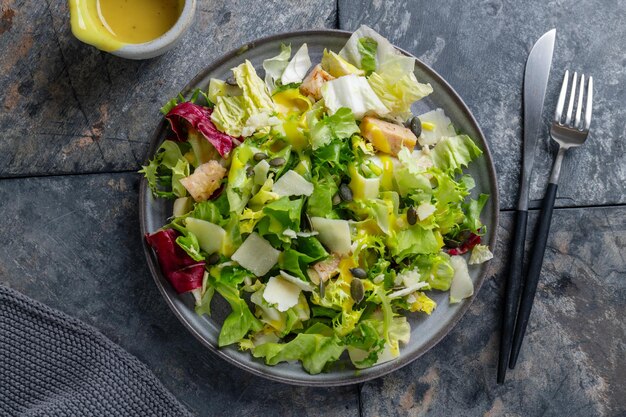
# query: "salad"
[317,205]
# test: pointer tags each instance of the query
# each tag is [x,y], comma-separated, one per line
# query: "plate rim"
[359,375]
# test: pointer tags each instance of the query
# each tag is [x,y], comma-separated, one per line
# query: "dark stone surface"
[66,107]
[572,360]
[73,243]
[480,48]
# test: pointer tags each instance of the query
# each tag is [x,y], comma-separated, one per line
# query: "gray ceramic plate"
[426,331]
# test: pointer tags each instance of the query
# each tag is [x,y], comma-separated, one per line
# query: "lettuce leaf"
[323,129]
[159,171]
[455,153]
[320,203]
[275,66]
[230,115]
[240,321]
[355,93]
[415,240]
[367,48]
[398,91]
[314,348]
[181,270]
[472,212]
[255,94]
[298,66]
[188,115]
[386,53]
[281,215]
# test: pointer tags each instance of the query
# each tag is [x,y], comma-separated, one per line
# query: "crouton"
[312,84]
[387,137]
[204,181]
[324,270]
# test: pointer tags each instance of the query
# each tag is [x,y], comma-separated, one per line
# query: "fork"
[568,134]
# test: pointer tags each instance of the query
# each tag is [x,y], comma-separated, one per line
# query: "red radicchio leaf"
[182,271]
[199,118]
[468,245]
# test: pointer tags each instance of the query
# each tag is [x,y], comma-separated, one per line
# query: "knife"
[536,77]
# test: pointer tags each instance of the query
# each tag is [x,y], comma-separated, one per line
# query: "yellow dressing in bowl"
[110,24]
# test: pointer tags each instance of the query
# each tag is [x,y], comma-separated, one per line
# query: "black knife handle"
[534,271]
[513,289]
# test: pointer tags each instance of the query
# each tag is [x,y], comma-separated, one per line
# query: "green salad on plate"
[310,198]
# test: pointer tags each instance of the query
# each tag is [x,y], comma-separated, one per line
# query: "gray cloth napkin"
[54,365]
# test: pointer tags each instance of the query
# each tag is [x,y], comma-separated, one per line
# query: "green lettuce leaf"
[281,215]
[240,321]
[472,209]
[436,269]
[255,93]
[398,93]
[314,348]
[230,115]
[414,240]
[340,125]
[320,202]
[454,153]
[189,243]
[367,48]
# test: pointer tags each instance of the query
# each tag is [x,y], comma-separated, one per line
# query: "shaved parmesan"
[425,210]
[260,172]
[407,290]
[462,285]
[303,285]
[292,183]
[210,236]
[440,126]
[334,234]
[281,293]
[256,255]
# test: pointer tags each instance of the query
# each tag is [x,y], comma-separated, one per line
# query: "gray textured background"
[75,126]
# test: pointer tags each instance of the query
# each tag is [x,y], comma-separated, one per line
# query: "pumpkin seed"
[250,171]
[231,81]
[411,216]
[259,156]
[345,192]
[276,162]
[322,289]
[356,290]
[358,272]
[416,126]
[213,259]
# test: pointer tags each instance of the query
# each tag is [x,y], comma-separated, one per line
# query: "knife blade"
[536,76]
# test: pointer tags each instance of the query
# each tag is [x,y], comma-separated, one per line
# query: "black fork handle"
[513,289]
[534,271]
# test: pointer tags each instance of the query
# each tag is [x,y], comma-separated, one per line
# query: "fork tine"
[579,106]
[561,102]
[572,97]
[589,103]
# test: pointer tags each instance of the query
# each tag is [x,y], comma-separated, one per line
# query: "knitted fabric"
[54,365]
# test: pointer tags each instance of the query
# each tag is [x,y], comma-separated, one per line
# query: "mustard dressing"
[137,21]
[110,24]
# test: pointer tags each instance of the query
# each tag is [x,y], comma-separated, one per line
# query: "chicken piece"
[324,270]
[312,84]
[387,137]
[204,181]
